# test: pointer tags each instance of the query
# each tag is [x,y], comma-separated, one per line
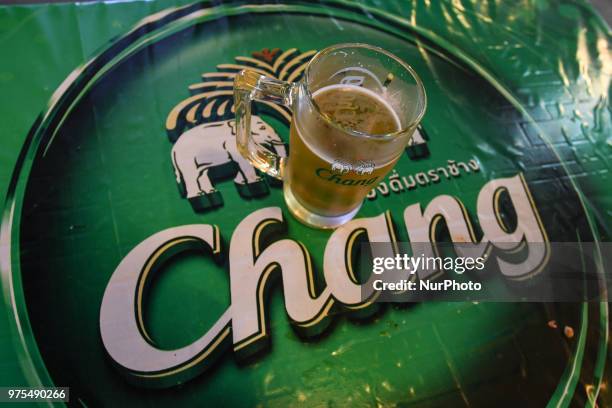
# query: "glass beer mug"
[353,113]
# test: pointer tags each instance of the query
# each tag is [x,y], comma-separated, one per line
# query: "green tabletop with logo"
[119,286]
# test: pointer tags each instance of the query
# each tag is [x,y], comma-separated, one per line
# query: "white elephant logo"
[364,168]
[207,152]
[202,129]
[341,166]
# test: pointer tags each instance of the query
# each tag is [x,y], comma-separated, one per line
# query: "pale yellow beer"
[310,172]
[353,113]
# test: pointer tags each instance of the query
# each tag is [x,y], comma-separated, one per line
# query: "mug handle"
[249,86]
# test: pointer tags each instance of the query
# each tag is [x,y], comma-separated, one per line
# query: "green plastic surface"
[496,93]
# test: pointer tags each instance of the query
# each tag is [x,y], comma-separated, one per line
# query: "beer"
[315,182]
[345,132]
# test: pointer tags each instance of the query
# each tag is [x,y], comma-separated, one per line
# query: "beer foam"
[365,91]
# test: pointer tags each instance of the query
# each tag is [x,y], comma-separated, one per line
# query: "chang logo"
[333,177]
